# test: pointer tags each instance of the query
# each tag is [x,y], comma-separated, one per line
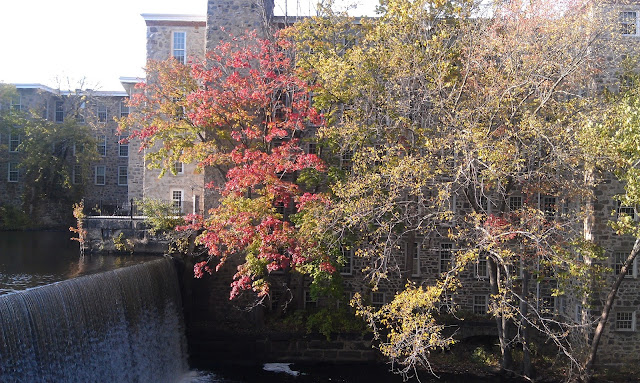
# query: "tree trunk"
[501,320]
[606,310]
[524,325]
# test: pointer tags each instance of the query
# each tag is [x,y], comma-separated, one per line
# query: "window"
[547,306]
[100,177]
[16,103]
[124,108]
[619,257]
[628,210]
[177,197]
[377,299]
[178,167]
[346,161]
[102,145]
[80,113]
[122,175]
[102,112]
[413,255]
[309,300]
[12,175]
[515,203]
[14,142]
[626,320]
[628,23]
[76,176]
[482,267]
[59,117]
[579,313]
[549,207]
[446,257]
[480,304]
[123,146]
[312,148]
[347,257]
[180,46]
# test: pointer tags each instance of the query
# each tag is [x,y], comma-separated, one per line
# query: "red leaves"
[240,111]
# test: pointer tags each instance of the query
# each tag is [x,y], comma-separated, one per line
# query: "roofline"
[35,86]
[173,17]
[132,80]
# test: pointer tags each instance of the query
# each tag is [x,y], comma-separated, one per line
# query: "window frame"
[14,142]
[631,320]
[482,258]
[626,22]
[347,268]
[622,255]
[102,144]
[123,146]
[480,308]
[124,108]
[445,248]
[76,175]
[13,174]
[102,112]
[58,114]
[120,176]
[179,207]
[97,174]
[378,298]
[183,58]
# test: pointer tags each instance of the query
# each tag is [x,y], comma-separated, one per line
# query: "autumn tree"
[461,122]
[241,115]
[46,154]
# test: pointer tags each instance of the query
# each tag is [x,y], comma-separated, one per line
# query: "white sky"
[60,42]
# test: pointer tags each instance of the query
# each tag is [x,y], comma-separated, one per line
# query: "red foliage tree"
[240,114]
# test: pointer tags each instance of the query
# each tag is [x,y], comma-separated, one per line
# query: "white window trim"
[485,305]
[633,272]
[378,294]
[173,200]
[16,106]
[126,175]
[451,259]
[101,108]
[11,172]
[14,138]
[56,111]
[104,175]
[102,145]
[121,146]
[349,265]
[124,108]
[637,21]
[484,258]
[175,167]
[633,321]
[173,39]
[76,174]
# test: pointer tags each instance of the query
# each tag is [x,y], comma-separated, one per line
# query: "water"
[30,259]
[123,325]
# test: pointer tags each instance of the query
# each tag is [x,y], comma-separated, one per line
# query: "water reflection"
[36,258]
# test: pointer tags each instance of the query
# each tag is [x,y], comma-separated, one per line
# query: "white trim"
[15,171]
[126,175]
[173,40]
[104,175]
[180,201]
[173,17]
[633,320]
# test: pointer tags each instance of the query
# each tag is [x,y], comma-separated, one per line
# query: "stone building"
[105,181]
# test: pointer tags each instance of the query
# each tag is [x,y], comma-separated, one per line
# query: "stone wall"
[101,232]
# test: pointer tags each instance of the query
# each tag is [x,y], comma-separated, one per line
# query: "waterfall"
[123,325]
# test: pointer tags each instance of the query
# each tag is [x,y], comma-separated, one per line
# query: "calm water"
[35,258]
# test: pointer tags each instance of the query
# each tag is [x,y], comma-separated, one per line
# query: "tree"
[46,154]
[616,131]
[240,115]
[469,132]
